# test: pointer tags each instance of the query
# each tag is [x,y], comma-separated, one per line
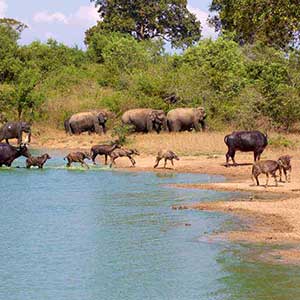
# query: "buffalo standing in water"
[245,141]
[9,153]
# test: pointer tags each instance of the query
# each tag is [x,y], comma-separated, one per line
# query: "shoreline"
[270,214]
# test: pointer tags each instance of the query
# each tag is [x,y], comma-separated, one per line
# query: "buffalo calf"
[38,161]
[268,167]
[78,157]
[123,152]
[166,155]
[284,162]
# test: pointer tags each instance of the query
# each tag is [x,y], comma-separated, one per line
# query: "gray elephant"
[91,121]
[14,130]
[145,119]
[181,119]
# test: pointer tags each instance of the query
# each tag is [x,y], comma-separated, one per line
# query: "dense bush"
[249,87]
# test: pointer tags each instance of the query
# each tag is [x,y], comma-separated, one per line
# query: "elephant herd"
[141,120]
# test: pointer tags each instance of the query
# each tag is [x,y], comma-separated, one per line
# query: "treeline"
[244,85]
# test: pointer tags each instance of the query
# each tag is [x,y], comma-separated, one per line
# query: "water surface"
[101,234]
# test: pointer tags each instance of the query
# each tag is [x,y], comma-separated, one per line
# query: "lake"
[105,234]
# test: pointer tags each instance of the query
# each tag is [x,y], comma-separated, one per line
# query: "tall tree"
[167,19]
[13,24]
[274,22]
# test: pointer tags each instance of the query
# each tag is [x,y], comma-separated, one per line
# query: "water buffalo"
[14,130]
[9,153]
[245,141]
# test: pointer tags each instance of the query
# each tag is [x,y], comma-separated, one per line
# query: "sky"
[67,20]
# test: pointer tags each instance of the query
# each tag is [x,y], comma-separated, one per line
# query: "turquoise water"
[101,234]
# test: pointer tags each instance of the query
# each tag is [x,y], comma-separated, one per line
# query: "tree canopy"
[273,22]
[167,19]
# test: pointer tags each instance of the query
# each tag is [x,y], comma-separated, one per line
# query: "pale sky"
[67,20]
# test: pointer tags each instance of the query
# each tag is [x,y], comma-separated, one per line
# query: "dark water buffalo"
[245,141]
[9,153]
[14,130]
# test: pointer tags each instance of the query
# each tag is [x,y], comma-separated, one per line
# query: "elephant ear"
[150,119]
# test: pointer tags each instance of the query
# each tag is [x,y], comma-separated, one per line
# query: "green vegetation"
[144,20]
[276,23]
[255,85]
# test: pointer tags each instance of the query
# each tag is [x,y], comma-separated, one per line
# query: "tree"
[22,94]
[167,19]
[274,22]
[9,61]
[15,25]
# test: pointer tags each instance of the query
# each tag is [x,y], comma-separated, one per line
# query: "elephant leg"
[172,162]
[176,127]
[196,125]
[203,125]
[97,127]
[104,129]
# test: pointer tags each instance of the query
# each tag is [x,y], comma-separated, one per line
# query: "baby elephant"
[265,167]
[122,152]
[167,155]
[284,162]
[38,161]
[77,157]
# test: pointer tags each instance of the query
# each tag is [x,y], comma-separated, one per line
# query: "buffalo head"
[23,150]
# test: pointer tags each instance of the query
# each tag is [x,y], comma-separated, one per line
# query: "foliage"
[245,87]
[281,141]
[121,132]
[274,22]
[169,19]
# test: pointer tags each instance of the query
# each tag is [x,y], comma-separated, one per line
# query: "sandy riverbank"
[272,214]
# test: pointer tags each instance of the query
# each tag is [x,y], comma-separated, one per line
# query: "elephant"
[14,130]
[181,119]
[91,121]
[145,119]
